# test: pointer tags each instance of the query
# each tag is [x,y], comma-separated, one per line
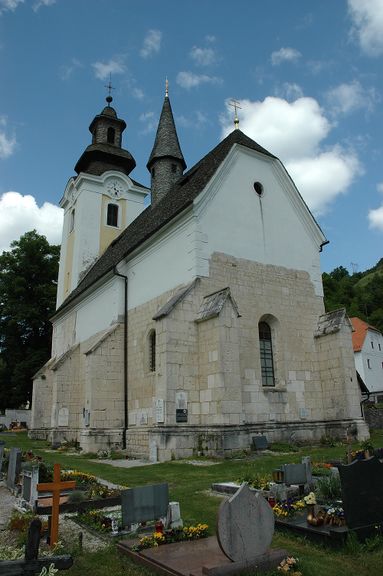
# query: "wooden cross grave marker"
[55,488]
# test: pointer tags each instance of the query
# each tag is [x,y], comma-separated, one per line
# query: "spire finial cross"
[109,87]
[166,87]
[235,105]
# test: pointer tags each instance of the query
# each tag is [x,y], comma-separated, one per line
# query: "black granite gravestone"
[144,503]
[362,492]
[260,442]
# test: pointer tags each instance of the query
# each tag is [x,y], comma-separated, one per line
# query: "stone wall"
[373,416]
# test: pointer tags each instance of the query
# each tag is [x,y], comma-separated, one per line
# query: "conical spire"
[166,162]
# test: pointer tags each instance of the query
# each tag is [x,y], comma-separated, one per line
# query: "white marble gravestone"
[173,516]
[245,526]
[160,411]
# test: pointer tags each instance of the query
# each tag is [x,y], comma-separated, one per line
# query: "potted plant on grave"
[368,448]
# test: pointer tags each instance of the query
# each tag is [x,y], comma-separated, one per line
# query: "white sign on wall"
[160,410]
[63,417]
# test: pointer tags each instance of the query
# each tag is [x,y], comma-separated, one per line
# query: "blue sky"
[307,74]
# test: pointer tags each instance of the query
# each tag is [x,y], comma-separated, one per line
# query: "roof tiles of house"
[360,332]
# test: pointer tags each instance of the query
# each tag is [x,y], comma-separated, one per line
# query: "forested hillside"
[360,293]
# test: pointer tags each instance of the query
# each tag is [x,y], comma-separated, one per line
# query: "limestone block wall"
[67,393]
[220,396]
[339,387]
[42,402]
[103,401]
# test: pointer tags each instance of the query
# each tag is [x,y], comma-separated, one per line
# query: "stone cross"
[55,488]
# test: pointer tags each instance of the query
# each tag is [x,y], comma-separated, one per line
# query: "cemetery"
[198,516]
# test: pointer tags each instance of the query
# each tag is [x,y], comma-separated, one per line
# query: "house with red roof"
[367,342]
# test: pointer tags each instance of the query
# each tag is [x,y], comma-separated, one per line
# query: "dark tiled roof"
[213,303]
[166,144]
[174,300]
[153,218]
[331,322]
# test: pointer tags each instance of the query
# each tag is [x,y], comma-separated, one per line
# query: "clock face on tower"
[115,188]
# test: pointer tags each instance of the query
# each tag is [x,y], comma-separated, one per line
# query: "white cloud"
[149,121]
[196,120]
[367,18]
[203,56]
[285,55]
[290,90]
[37,5]
[104,69]
[349,97]
[152,43]
[210,38]
[67,70]
[9,5]
[295,132]
[375,216]
[20,214]
[190,80]
[7,143]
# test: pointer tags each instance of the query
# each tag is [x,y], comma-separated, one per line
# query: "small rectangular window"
[372,344]
[368,363]
[379,347]
[112,215]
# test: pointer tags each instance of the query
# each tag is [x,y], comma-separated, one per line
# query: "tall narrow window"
[111,135]
[266,352]
[112,215]
[152,351]
[71,223]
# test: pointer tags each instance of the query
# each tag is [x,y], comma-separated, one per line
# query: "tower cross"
[235,105]
[109,87]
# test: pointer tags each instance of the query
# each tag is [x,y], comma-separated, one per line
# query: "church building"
[197,322]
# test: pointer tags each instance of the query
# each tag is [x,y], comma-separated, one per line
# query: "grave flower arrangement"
[99,520]
[310,499]
[93,489]
[290,566]
[288,507]
[256,480]
[335,516]
[169,536]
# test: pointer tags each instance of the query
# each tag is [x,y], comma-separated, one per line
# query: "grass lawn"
[190,485]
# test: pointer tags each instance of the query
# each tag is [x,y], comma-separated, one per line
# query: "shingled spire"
[166,162]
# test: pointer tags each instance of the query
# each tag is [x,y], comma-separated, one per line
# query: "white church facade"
[194,323]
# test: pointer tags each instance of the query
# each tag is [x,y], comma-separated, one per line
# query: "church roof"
[154,217]
[166,144]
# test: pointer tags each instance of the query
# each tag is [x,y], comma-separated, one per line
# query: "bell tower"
[100,202]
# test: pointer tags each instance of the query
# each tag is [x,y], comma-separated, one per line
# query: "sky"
[307,76]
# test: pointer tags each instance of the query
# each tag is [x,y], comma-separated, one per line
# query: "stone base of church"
[89,439]
[174,442]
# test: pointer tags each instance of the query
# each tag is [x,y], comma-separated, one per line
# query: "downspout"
[126,419]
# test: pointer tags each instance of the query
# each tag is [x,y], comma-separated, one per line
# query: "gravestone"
[30,479]
[294,474]
[173,516]
[260,442]
[144,503]
[306,461]
[362,493]
[14,466]
[2,444]
[245,525]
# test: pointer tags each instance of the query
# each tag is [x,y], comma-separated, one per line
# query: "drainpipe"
[126,421]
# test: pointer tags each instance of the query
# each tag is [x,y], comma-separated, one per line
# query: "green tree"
[28,284]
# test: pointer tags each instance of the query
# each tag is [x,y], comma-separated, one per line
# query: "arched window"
[110,136]
[266,353]
[112,215]
[152,350]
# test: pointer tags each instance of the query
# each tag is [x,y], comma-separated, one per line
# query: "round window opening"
[258,188]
